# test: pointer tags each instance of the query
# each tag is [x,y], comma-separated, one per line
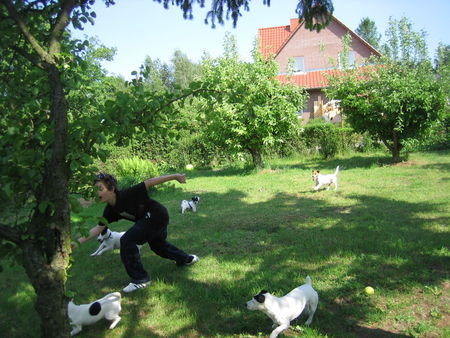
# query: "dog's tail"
[337,170]
[308,281]
[111,297]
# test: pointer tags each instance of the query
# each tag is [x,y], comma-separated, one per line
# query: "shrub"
[322,138]
[130,171]
[436,137]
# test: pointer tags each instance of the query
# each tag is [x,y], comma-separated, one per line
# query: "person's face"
[105,195]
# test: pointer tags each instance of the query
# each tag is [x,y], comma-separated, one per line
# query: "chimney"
[294,24]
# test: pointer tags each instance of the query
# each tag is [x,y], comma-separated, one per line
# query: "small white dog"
[190,205]
[107,307]
[322,179]
[109,240]
[285,309]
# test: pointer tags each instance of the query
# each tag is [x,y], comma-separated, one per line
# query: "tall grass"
[386,226]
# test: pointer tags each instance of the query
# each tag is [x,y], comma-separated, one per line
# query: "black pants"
[151,229]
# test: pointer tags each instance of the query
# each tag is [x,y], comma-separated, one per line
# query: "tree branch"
[28,56]
[180,98]
[62,21]
[26,31]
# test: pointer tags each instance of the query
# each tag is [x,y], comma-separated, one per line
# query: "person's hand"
[181,178]
[73,245]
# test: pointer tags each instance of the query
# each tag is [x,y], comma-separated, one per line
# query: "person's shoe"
[192,260]
[134,286]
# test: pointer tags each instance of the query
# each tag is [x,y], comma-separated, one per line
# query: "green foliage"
[442,66]
[246,108]
[403,44]
[393,102]
[130,171]
[323,137]
[368,31]
[437,137]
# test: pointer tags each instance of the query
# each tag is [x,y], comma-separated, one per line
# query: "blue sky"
[140,28]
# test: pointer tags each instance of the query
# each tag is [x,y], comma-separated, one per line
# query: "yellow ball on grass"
[369,290]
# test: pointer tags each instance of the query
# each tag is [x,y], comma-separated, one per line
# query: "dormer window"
[299,64]
[350,62]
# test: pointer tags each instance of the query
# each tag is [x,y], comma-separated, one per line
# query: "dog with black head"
[285,309]
[190,205]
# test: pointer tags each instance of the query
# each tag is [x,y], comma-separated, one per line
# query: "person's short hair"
[108,180]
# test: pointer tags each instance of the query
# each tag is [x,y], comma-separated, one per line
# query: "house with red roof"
[306,57]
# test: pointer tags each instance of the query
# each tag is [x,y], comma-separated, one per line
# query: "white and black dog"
[107,307]
[109,240]
[190,205]
[285,309]
[322,179]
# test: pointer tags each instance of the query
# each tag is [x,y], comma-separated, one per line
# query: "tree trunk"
[46,256]
[396,147]
[48,279]
[396,155]
[256,157]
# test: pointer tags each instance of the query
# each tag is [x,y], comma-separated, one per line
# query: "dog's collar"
[110,235]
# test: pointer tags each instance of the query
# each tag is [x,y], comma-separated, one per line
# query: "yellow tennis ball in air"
[189,167]
[369,290]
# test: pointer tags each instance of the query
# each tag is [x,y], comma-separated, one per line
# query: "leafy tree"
[403,44]
[46,143]
[368,31]
[184,70]
[247,109]
[442,66]
[393,101]
[179,73]
[157,74]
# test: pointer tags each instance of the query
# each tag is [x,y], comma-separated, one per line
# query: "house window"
[350,60]
[299,64]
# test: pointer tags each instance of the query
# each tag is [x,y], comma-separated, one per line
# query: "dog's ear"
[104,231]
[260,298]
[264,291]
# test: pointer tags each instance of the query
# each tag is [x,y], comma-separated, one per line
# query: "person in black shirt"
[150,225]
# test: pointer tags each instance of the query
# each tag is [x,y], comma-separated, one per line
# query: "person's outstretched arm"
[94,232]
[181,178]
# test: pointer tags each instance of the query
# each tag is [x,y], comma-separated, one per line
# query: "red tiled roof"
[310,80]
[271,39]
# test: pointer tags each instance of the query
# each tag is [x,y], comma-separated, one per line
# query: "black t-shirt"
[132,204]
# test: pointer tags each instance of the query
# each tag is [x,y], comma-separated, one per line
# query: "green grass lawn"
[387,226]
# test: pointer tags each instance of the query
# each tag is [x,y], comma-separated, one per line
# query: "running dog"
[109,240]
[285,309]
[322,179]
[190,205]
[107,307]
